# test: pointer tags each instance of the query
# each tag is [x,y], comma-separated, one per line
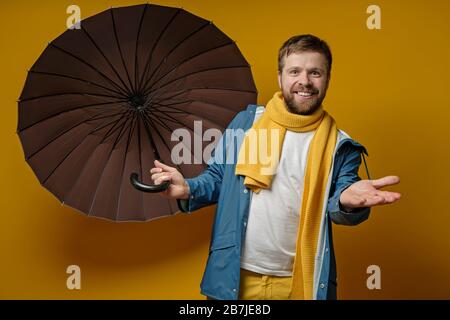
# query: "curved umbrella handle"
[134,179]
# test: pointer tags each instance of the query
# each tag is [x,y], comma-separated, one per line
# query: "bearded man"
[272,233]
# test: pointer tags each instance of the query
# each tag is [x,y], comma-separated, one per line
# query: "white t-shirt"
[271,236]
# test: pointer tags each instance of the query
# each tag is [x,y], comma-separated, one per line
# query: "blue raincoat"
[219,184]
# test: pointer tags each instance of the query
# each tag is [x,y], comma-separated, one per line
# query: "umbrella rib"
[136,62]
[119,136]
[64,159]
[147,117]
[174,48]
[112,129]
[89,65]
[149,136]
[171,111]
[162,124]
[168,115]
[123,166]
[125,88]
[187,60]
[109,116]
[120,49]
[65,111]
[140,162]
[209,88]
[144,118]
[170,105]
[204,88]
[119,94]
[170,97]
[184,125]
[175,121]
[164,143]
[69,93]
[186,112]
[148,103]
[154,91]
[73,127]
[147,64]
[180,111]
[92,153]
[190,150]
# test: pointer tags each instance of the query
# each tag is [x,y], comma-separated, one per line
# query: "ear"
[328,80]
[279,79]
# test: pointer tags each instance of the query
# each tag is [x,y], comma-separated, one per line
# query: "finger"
[374,201]
[162,179]
[389,197]
[387,194]
[381,198]
[394,197]
[155,170]
[159,175]
[385,181]
[391,200]
[164,167]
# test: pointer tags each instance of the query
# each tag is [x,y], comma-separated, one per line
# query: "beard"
[305,107]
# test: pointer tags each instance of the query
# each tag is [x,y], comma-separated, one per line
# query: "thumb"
[163,166]
[385,181]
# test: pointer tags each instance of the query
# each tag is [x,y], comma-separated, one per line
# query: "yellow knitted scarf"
[266,137]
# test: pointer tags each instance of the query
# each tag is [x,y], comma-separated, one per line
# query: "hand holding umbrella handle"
[134,179]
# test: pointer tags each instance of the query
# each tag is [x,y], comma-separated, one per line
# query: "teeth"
[304,94]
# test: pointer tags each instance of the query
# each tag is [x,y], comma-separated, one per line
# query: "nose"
[303,79]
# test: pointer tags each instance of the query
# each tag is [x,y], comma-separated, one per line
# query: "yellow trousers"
[256,286]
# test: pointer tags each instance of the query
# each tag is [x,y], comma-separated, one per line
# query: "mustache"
[308,89]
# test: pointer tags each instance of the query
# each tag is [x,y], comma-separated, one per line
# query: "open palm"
[366,193]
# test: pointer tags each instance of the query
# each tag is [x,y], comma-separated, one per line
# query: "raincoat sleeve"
[347,175]
[205,188]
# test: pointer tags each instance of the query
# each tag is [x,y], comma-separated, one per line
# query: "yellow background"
[389,90]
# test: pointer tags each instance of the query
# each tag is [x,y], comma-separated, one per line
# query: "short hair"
[302,43]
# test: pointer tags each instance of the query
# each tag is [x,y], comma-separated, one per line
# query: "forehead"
[306,59]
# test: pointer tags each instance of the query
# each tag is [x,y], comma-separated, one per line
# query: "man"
[272,234]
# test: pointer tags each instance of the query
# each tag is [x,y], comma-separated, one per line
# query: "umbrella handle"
[134,179]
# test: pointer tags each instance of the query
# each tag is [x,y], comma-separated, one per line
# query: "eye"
[293,72]
[316,73]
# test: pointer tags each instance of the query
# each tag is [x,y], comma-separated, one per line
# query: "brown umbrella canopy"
[101,102]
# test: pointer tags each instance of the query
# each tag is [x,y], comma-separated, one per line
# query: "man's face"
[304,81]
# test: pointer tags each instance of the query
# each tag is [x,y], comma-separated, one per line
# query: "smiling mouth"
[304,93]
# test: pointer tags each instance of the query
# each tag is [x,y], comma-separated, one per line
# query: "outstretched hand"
[178,189]
[366,193]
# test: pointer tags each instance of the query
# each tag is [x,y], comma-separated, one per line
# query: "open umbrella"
[101,102]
